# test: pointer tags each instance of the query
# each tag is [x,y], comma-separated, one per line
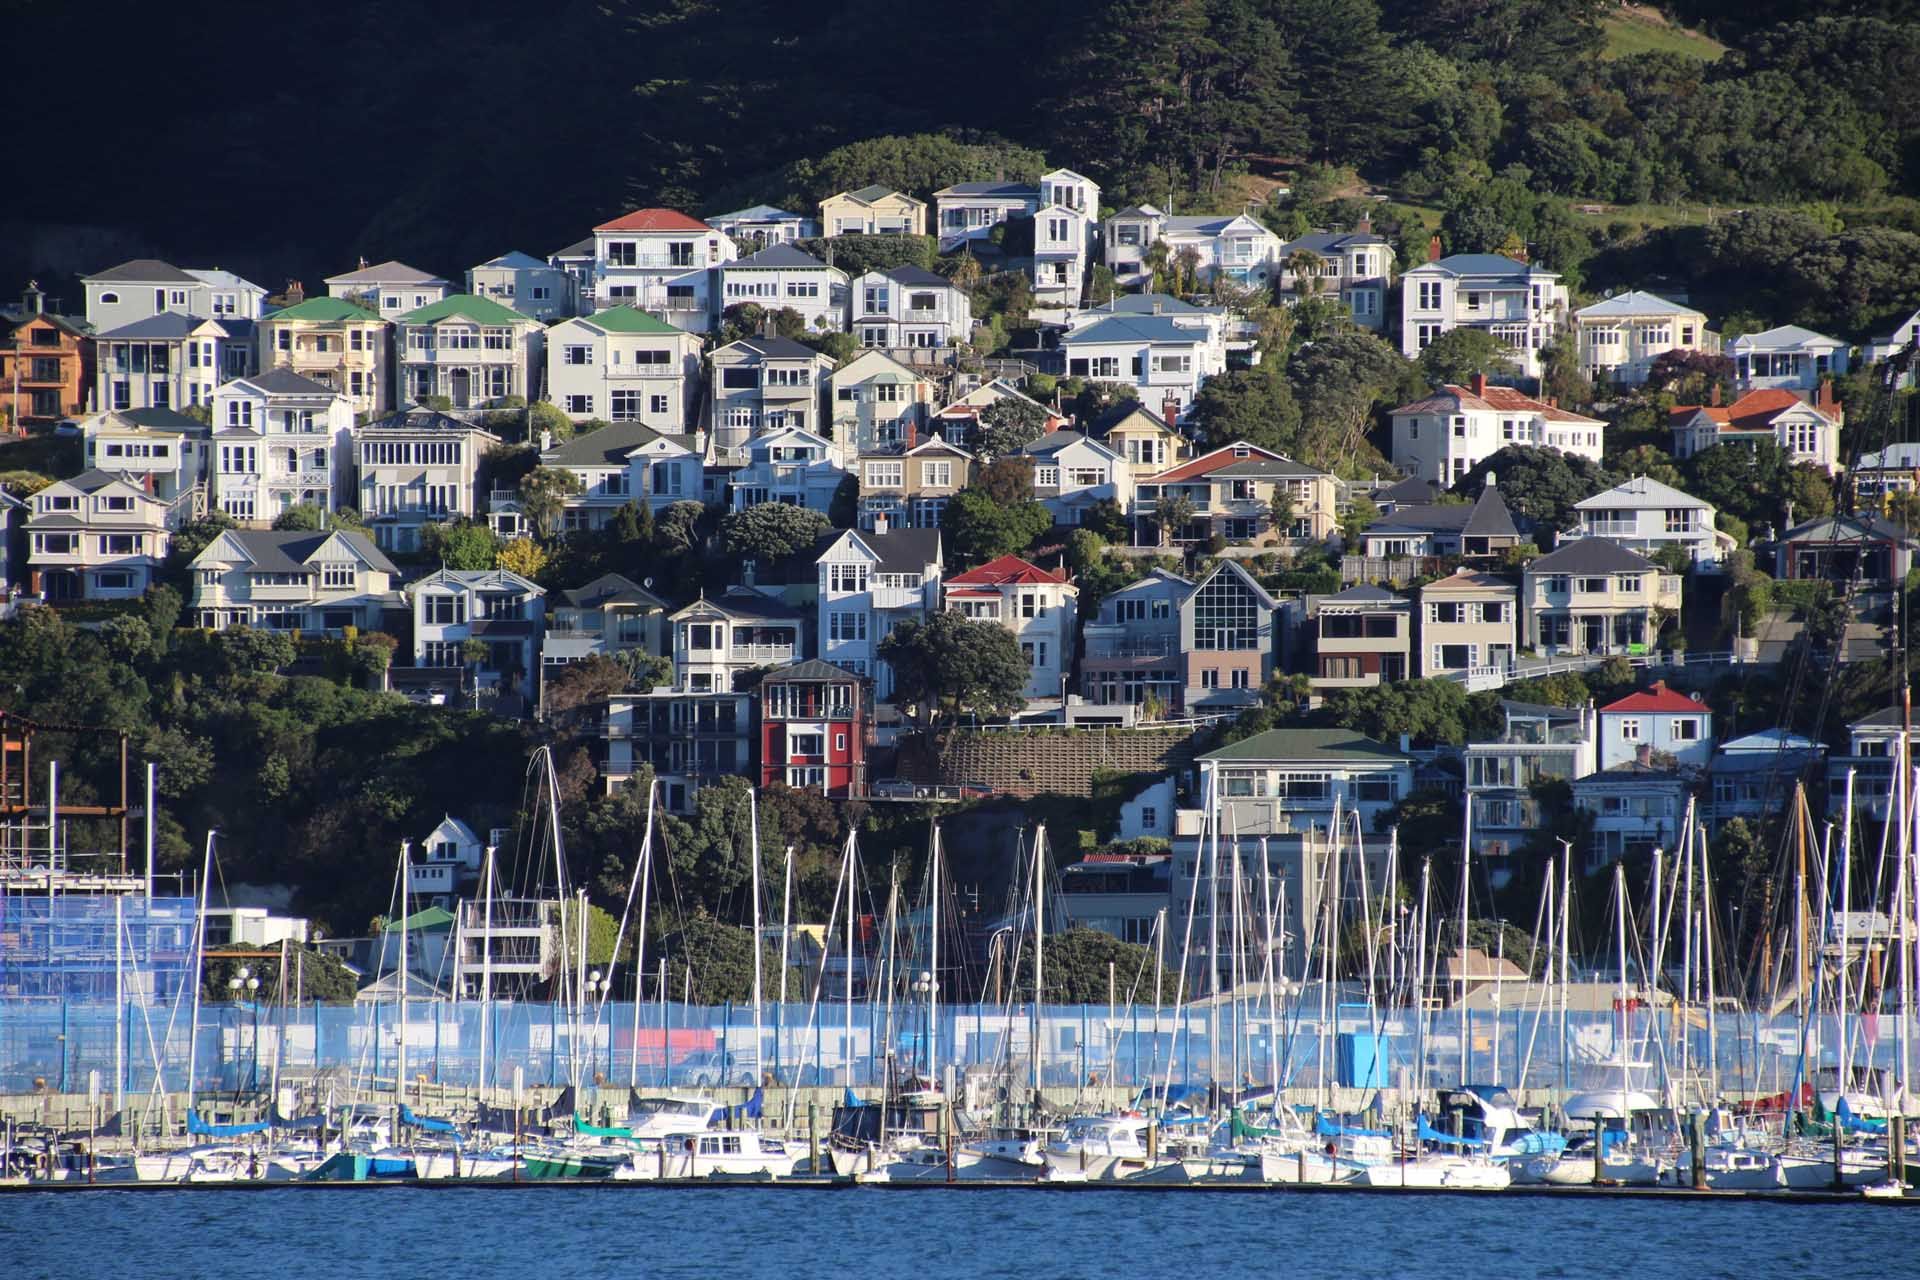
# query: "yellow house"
[1143,438]
[873,211]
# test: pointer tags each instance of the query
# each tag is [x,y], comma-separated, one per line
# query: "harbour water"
[747,1232]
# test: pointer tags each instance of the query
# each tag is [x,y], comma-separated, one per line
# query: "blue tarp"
[1430,1134]
[755,1106]
[428,1123]
[1327,1128]
[200,1128]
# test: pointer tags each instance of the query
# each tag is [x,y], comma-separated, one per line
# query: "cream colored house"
[623,365]
[874,402]
[1620,337]
[1592,595]
[872,211]
[313,582]
[415,468]
[904,487]
[1468,620]
[98,537]
[471,350]
[1140,436]
[337,343]
[1231,489]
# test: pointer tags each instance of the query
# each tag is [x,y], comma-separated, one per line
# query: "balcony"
[652,262]
[897,597]
[269,592]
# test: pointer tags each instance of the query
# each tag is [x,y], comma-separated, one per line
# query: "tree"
[772,531]
[304,516]
[1280,511]
[1458,354]
[1007,480]
[1343,381]
[1254,405]
[543,496]
[1434,712]
[460,544]
[190,540]
[1084,966]
[578,691]
[1173,515]
[714,961]
[1539,486]
[1105,518]
[954,665]
[1744,480]
[523,556]
[844,511]
[1009,425]
[979,529]
[315,977]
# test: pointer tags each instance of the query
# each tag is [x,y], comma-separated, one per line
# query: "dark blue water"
[601,1233]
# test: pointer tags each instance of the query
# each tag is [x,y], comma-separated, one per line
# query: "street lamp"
[924,986]
[246,981]
[597,988]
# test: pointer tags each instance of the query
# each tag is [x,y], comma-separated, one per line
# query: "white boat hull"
[1438,1173]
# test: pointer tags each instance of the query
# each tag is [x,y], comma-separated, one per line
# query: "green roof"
[322,311]
[423,921]
[1306,744]
[468,306]
[628,319]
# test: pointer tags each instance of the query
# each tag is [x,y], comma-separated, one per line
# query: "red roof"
[1754,411]
[1658,698]
[654,220]
[1452,398]
[1225,456]
[1007,571]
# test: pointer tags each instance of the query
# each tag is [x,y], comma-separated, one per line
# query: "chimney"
[1713,396]
[1170,409]
[296,293]
[1643,754]
[1823,397]
[1156,306]
[913,433]
[546,439]
[879,522]
[1364,227]
[1433,249]
[1480,385]
[1553,402]
[33,301]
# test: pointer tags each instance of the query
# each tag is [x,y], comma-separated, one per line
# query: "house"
[1163,360]
[904,487]
[14,570]
[1411,492]
[1480,530]
[609,616]
[1231,491]
[910,313]
[1354,266]
[868,583]
[689,738]
[1644,515]
[1878,747]
[1468,620]
[1787,358]
[815,728]
[316,583]
[1522,305]
[1232,247]
[969,211]
[1072,471]
[282,441]
[786,464]
[1124,895]
[98,536]
[168,361]
[959,420]
[389,289]
[1447,434]
[334,342]
[660,261]
[1593,595]
[1361,636]
[1674,729]
[1147,442]
[164,452]
[1537,744]
[782,278]
[508,947]
[622,463]
[496,610]
[471,351]
[145,288]
[417,467]
[1036,604]
[1895,469]
[452,858]
[1227,639]
[1835,547]
[1620,337]
[1636,808]
[718,639]
[1130,652]
[624,365]
[1809,432]
[1221,330]
[46,363]
[576,261]
[873,211]
[763,384]
[1753,776]
[526,284]
[875,403]
[762,225]
[1305,773]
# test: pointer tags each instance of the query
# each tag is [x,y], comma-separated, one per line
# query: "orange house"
[46,364]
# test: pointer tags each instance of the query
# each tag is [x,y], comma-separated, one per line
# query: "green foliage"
[977,528]
[1078,964]
[1538,485]
[304,516]
[1435,711]
[312,977]
[460,544]
[918,164]
[857,255]
[543,496]
[953,665]
[1458,354]
[714,961]
[771,531]
[1255,405]
[1009,425]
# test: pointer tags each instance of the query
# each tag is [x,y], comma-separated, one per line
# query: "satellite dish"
[647,583]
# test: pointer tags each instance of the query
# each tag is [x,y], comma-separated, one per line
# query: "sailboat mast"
[1620,919]
[1566,948]
[1846,905]
[1706,964]
[1039,945]
[645,872]
[199,962]
[846,1045]
[786,931]
[753,821]
[1420,978]
[486,965]
[1266,971]
[1466,866]
[406,874]
[933,957]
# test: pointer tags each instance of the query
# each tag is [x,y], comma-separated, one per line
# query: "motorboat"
[735,1153]
[665,1115]
[1620,1165]
[1099,1149]
[1731,1168]
[1439,1171]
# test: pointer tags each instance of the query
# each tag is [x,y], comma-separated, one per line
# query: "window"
[1591,586]
[1630,584]
[577,354]
[1225,615]
[1686,729]
[1630,729]
[739,379]
[439,610]
[846,577]
[1493,611]
[579,404]
[847,625]
[1450,611]
[657,404]
[808,744]
[336,575]
[1035,652]
[1429,297]
[1681,520]
[624,406]
[883,475]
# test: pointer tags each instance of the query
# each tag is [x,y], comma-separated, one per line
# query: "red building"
[815,727]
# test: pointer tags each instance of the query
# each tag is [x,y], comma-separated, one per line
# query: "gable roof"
[152,418]
[1493,399]
[607,447]
[918,277]
[167,324]
[476,580]
[1007,571]
[1783,338]
[578,249]
[1482,264]
[143,271]
[756,213]
[740,602]
[1657,697]
[654,220]
[1411,492]
[515,260]
[1306,744]
[610,588]
[1005,190]
[1634,302]
[627,318]
[94,479]
[282,381]
[1839,528]
[1247,580]
[809,669]
[1121,327]
[466,306]
[776,256]
[1754,411]
[774,347]
[1591,555]
[389,272]
[872,192]
[1116,416]
[1228,455]
[323,311]
[1329,242]
[291,550]
[1638,492]
[1469,580]
[1054,441]
[1365,594]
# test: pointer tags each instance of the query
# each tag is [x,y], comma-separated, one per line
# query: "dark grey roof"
[1119,413]
[610,588]
[1885,717]
[75,325]
[289,550]
[1591,555]
[875,191]
[418,419]
[94,479]
[1364,595]
[1411,492]
[744,602]
[904,550]
[168,324]
[1009,190]
[156,418]
[1449,518]
[810,669]
[1263,467]
[1542,710]
[778,348]
[578,249]
[282,381]
[1053,442]
[1839,528]
[1490,517]
[911,275]
[777,255]
[609,446]
[145,270]
[1326,242]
